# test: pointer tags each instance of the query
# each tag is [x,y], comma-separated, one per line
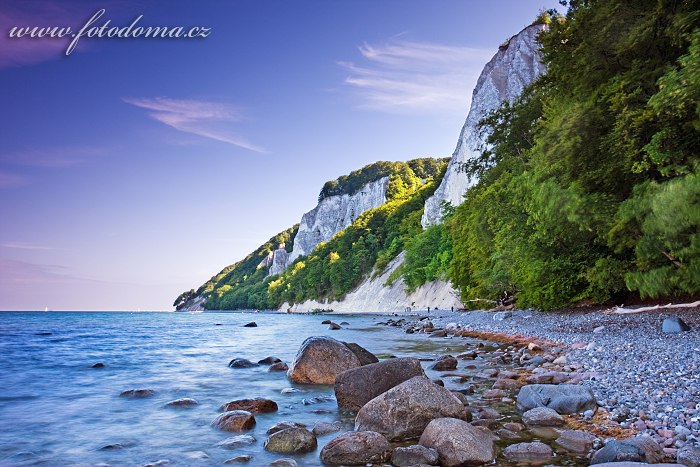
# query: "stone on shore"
[674,325]
[414,455]
[639,449]
[257,405]
[564,398]
[689,456]
[235,420]
[404,411]
[445,363]
[320,360]
[137,393]
[576,441]
[182,403]
[291,441]
[355,387]
[356,448]
[542,416]
[528,452]
[458,443]
[241,363]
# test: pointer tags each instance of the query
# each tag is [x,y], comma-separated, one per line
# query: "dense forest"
[588,191]
[588,187]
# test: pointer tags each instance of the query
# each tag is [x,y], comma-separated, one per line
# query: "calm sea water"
[57,410]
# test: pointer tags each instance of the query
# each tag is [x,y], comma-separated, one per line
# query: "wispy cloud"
[11,180]
[23,246]
[405,76]
[202,118]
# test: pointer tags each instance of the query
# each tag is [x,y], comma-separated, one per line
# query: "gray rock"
[320,360]
[502,315]
[241,363]
[355,387]
[639,449]
[528,452]
[137,393]
[458,443]
[283,425]
[404,411]
[365,356]
[285,462]
[579,442]
[689,456]
[236,442]
[414,455]
[564,398]
[279,366]
[235,420]
[291,441]
[323,428]
[269,360]
[674,325]
[542,416]
[182,403]
[252,324]
[239,459]
[356,448]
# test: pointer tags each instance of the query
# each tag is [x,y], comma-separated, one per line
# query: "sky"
[134,168]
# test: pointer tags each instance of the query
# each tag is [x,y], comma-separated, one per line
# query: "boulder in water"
[320,360]
[234,420]
[257,405]
[458,443]
[291,441]
[356,448]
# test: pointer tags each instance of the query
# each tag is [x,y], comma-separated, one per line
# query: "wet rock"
[495,394]
[674,325]
[239,459]
[269,360]
[257,405]
[283,425]
[344,323]
[291,441]
[320,360]
[252,324]
[137,393]
[326,321]
[279,366]
[564,398]
[291,391]
[355,387]
[158,463]
[528,452]
[458,443]
[576,441]
[445,363]
[286,462]
[689,456]
[98,365]
[356,448]
[235,420]
[639,449]
[324,428]
[548,377]
[414,455]
[438,333]
[334,327]
[113,447]
[542,416]
[365,356]
[182,403]
[404,411]
[241,363]
[236,442]
[507,384]
[317,399]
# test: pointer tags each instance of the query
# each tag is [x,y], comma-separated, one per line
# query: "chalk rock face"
[333,214]
[278,262]
[515,65]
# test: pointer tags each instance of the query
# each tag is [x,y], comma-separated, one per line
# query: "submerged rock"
[98,365]
[257,405]
[235,420]
[279,366]
[291,441]
[269,360]
[182,403]
[320,360]
[414,455]
[239,459]
[445,363]
[241,363]
[252,324]
[285,462]
[283,425]
[355,387]
[528,452]
[404,411]
[137,393]
[236,442]
[356,448]
[564,398]
[458,443]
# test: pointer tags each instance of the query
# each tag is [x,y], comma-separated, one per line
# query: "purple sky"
[136,168]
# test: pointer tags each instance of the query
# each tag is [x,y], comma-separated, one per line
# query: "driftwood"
[618,310]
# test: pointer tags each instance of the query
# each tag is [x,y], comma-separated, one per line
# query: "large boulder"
[320,359]
[414,455]
[291,441]
[638,449]
[564,398]
[404,411]
[354,388]
[356,448]
[458,443]
[366,357]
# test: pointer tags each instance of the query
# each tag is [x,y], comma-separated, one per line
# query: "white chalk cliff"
[515,65]
[333,214]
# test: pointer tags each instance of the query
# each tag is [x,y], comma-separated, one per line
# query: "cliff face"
[515,65]
[333,214]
